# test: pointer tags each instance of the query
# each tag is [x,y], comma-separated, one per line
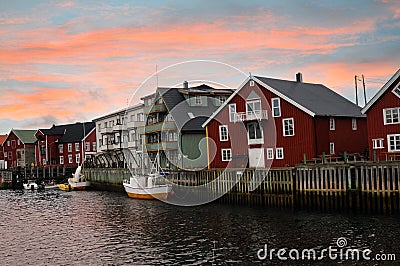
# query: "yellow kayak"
[65,187]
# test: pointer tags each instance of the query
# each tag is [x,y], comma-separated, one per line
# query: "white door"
[256,158]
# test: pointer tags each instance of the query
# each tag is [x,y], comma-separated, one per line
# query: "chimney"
[185,84]
[299,77]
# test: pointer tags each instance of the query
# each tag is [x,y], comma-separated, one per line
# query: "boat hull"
[64,187]
[31,186]
[158,192]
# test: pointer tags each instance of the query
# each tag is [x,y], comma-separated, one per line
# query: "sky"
[69,61]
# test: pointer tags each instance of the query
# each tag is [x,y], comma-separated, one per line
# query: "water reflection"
[103,228]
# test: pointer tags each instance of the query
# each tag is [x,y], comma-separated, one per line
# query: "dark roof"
[317,98]
[178,107]
[70,132]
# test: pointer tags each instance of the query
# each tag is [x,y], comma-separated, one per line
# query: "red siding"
[376,127]
[12,150]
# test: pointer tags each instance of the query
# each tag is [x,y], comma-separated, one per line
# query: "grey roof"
[179,108]
[71,132]
[317,98]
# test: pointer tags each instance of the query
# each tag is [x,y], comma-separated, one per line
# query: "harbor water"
[105,228]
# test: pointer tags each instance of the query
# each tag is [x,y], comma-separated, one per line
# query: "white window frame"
[223,136]
[225,153]
[354,123]
[197,100]
[61,159]
[60,148]
[77,146]
[277,107]
[70,159]
[396,90]
[279,153]
[232,114]
[331,148]
[5,154]
[220,99]
[77,158]
[377,143]
[288,127]
[332,125]
[87,146]
[251,103]
[270,153]
[255,140]
[94,146]
[8,143]
[396,139]
[69,147]
[385,122]
[18,142]
[251,83]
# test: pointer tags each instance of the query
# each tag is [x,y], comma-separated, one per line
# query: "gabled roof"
[70,132]
[314,99]
[381,91]
[180,110]
[3,139]
[27,136]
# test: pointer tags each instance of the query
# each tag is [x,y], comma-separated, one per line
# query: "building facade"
[383,118]
[279,123]
[67,145]
[2,161]
[19,148]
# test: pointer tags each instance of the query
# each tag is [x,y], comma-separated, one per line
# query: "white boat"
[146,187]
[77,182]
[31,185]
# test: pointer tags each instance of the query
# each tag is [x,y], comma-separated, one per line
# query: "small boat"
[77,182]
[146,187]
[31,185]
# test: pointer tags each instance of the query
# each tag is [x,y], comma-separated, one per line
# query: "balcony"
[107,130]
[172,145]
[162,126]
[156,108]
[119,127]
[133,124]
[250,116]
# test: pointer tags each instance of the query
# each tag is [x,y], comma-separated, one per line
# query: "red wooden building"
[65,145]
[19,148]
[274,123]
[383,118]
[2,140]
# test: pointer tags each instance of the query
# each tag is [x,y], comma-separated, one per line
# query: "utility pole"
[355,82]
[365,93]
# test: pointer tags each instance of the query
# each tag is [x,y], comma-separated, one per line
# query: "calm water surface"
[103,228]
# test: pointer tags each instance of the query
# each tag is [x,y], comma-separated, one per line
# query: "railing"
[253,115]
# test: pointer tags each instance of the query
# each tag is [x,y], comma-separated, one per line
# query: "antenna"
[365,93]
[355,82]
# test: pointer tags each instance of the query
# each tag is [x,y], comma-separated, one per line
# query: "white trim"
[268,153]
[332,123]
[354,124]
[331,148]
[384,115]
[277,150]
[227,133]
[376,141]
[229,112]
[396,88]
[257,140]
[272,107]
[222,155]
[283,126]
[381,91]
[388,142]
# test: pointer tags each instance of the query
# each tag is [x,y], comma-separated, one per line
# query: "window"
[223,133]
[87,146]
[77,158]
[396,91]
[10,155]
[69,147]
[226,155]
[197,100]
[61,159]
[8,143]
[19,142]
[253,107]
[5,155]
[60,148]
[393,142]
[94,146]
[140,117]
[391,116]
[232,112]
[251,83]
[331,148]
[279,153]
[332,123]
[377,144]
[105,125]
[70,158]
[354,124]
[276,107]
[77,147]
[99,127]
[220,100]
[44,161]
[13,144]
[191,115]
[270,153]
[255,135]
[288,127]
